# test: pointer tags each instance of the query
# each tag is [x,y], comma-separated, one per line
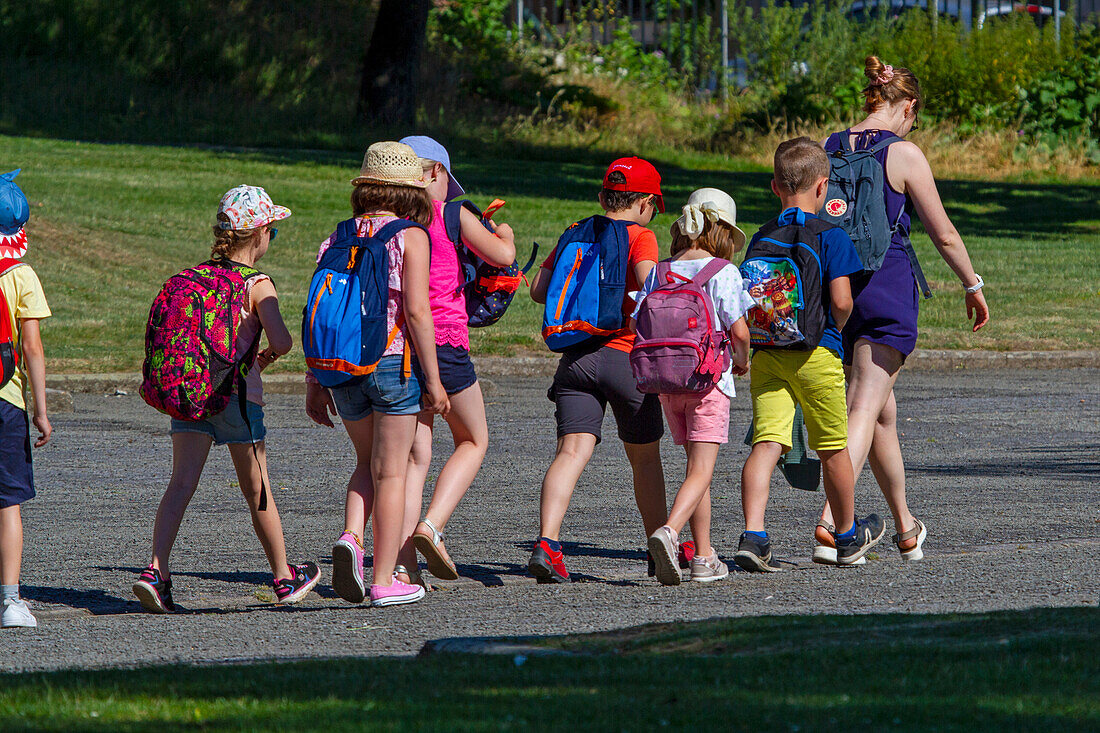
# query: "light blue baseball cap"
[14,210]
[426,147]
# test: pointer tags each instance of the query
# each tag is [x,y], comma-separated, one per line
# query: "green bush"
[1064,102]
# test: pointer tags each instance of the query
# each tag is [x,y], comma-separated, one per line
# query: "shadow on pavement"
[97,602]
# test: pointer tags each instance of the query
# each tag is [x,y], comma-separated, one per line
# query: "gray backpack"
[856,204]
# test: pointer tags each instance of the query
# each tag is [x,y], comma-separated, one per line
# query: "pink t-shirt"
[247,329]
[448,301]
[367,225]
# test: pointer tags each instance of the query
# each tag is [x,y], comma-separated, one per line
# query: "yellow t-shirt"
[23,291]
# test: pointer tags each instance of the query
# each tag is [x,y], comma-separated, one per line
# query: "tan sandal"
[915,552]
[825,551]
[428,545]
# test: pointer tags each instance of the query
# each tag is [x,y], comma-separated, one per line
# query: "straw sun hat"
[392,164]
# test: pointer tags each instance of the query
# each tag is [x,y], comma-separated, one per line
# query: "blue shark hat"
[14,210]
[427,148]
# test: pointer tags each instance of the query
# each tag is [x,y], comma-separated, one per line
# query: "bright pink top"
[444,295]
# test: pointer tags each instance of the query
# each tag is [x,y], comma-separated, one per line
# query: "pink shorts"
[698,418]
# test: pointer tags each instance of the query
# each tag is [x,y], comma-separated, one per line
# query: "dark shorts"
[587,382]
[456,371]
[16,475]
[885,306]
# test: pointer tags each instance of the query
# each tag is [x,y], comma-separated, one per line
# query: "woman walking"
[882,330]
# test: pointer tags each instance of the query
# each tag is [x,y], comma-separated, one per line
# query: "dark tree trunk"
[391,67]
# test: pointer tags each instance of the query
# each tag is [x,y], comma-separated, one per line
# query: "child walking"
[797,271]
[379,407]
[703,241]
[22,306]
[597,372]
[466,419]
[243,232]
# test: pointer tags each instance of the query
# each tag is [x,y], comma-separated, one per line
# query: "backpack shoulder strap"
[452,218]
[816,225]
[662,273]
[884,143]
[845,140]
[709,270]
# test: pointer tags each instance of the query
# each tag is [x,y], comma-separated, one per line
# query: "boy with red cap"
[22,306]
[597,373]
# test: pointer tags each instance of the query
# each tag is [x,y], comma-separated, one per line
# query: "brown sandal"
[915,552]
[438,565]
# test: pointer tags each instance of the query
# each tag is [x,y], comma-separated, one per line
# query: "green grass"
[1030,670]
[111,222]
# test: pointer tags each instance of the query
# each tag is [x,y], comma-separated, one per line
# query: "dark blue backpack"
[584,300]
[855,202]
[344,321]
[488,289]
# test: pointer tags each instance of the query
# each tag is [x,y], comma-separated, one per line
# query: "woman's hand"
[319,404]
[977,309]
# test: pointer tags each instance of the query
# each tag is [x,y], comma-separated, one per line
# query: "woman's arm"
[497,249]
[908,166]
[418,316]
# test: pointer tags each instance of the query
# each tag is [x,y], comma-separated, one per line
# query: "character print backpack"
[679,349]
[855,202]
[191,359]
[785,278]
[344,322]
[9,355]
[584,301]
[488,289]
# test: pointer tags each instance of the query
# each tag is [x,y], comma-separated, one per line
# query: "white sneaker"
[708,569]
[17,614]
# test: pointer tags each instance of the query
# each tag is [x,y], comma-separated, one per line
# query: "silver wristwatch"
[975,288]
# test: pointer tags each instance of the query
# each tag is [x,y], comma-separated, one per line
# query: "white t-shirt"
[726,290]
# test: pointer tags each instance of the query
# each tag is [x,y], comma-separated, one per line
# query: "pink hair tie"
[886,75]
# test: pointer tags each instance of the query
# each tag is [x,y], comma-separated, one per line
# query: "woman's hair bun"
[872,67]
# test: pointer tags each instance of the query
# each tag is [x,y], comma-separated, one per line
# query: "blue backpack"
[488,289]
[855,203]
[584,301]
[344,321]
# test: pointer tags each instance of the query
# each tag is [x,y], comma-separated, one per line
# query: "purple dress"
[886,301]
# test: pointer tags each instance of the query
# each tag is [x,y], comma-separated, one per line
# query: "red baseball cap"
[641,177]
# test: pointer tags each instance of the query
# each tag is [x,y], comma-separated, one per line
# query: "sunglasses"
[274,232]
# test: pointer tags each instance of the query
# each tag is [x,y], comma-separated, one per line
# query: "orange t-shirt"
[643,247]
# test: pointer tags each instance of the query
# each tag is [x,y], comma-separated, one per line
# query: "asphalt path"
[1003,467]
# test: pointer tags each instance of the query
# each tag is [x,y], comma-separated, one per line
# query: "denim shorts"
[228,427]
[386,389]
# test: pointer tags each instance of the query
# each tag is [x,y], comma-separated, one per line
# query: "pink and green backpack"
[191,359]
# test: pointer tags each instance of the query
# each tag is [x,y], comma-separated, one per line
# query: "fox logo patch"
[836,207]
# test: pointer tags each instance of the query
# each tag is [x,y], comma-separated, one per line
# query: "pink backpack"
[679,348]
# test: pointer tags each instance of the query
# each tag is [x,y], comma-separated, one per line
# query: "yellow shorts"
[814,379]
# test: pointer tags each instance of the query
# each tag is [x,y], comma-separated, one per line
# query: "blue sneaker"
[869,531]
[755,555]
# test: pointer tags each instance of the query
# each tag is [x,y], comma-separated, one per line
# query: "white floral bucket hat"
[248,207]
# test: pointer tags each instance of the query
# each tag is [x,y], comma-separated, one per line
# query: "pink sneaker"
[347,569]
[396,594]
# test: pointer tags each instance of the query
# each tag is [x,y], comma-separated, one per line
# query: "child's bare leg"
[11,544]
[471,437]
[649,483]
[393,440]
[700,526]
[701,458]
[251,471]
[573,453]
[420,460]
[840,484]
[889,469]
[360,496]
[189,452]
[756,479]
